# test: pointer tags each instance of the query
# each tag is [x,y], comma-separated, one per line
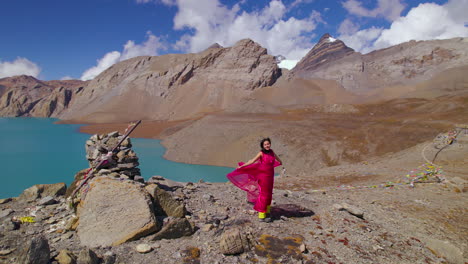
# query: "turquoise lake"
[37,151]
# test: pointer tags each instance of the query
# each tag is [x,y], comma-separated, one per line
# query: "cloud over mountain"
[423,22]
[150,47]
[212,22]
[19,66]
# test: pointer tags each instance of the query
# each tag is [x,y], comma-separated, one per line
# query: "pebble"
[5,212]
[303,248]
[6,251]
[143,248]
[207,227]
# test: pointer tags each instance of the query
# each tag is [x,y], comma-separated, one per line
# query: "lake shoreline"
[151,129]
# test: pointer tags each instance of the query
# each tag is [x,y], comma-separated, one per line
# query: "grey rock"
[36,252]
[66,257]
[5,213]
[115,212]
[54,190]
[31,193]
[139,179]
[8,225]
[175,228]
[87,256]
[109,258]
[164,203]
[48,200]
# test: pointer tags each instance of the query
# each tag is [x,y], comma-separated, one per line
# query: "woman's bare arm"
[278,159]
[252,160]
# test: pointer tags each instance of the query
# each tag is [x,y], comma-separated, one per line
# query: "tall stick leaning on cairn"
[90,173]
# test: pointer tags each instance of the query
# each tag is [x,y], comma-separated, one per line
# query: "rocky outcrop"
[42,191]
[26,96]
[407,63]
[115,212]
[176,86]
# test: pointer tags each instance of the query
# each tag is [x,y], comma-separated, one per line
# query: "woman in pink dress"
[256,177]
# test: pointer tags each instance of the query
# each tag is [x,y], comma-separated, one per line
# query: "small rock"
[36,251]
[207,227]
[139,179]
[233,242]
[66,257]
[303,248]
[353,210]
[6,251]
[143,248]
[4,201]
[87,256]
[67,236]
[377,247]
[5,213]
[48,200]
[109,258]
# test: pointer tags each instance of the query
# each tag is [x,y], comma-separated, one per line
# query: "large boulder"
[43,190]
[164,203]
[114,212]
[37,251]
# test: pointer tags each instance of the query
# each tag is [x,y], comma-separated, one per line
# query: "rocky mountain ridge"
[176,86]
[403,64]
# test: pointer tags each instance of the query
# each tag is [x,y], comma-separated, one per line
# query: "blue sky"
[62,39]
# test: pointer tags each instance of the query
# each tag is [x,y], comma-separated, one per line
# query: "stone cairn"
[122,164]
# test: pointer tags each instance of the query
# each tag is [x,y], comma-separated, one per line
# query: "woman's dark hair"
[261,145]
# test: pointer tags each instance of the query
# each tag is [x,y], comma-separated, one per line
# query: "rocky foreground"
[118,217]
[393,225]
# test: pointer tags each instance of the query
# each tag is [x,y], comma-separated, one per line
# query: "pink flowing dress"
[257,180]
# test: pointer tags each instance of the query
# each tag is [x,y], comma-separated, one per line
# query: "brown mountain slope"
[175,86]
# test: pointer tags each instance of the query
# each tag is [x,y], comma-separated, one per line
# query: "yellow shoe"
[262,217]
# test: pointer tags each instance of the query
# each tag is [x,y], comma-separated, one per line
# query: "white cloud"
[425,22]
[389,9]
[288,64]
[149,48]
[19,66]
[362,41]
[213,22]
[347,27]
[299,2]
[65,78]
[102,64]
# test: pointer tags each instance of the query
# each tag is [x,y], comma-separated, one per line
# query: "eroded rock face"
[26,96]
[115,212]
[164,87]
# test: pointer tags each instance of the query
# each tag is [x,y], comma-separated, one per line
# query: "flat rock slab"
[115,212]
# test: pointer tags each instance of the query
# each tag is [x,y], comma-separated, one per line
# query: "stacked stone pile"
[122,164]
